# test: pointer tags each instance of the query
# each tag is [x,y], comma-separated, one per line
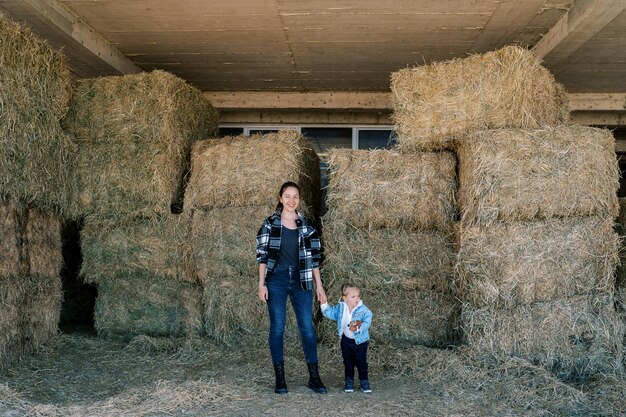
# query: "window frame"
[247,127]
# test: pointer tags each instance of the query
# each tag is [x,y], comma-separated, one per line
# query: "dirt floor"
[81,375]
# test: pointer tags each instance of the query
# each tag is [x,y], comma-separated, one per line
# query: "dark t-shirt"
[288,253]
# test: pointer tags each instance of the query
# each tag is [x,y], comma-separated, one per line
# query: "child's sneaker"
[365,386]
[348,386]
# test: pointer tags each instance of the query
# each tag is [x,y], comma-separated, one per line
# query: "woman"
[288,254]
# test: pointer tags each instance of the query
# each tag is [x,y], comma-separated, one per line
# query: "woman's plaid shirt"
[268,245]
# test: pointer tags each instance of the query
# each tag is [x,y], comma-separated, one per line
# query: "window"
[324,138]
[370,138]
[262,131]
[230,131]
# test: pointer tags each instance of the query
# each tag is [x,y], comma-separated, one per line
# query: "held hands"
[321,294]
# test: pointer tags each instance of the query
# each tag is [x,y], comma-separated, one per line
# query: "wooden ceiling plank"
[213,62]
[598,118]
[506,22]
[376,22]
[158,9]
[289,7]
[73,26]
[575,28]
[388,35]
[596,101]
[593,81]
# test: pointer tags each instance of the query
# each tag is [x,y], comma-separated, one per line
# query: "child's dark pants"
[354,355]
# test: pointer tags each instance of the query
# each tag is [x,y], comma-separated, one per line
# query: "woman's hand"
[262,288]
[321,294]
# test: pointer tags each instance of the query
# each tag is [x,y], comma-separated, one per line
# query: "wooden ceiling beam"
[336,100]
[587,109]
[575,28]
[373,100]
[598,118]
[506,22]
[597,102]
[70,24]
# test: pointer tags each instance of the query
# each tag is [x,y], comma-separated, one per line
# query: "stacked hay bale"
[34,96]
[536,247]
[233,187]
[144,284]
[134,136]
[36,89]
[387,230]
[30,286]
[436,105]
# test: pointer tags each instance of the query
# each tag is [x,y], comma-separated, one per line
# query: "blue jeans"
[283,282]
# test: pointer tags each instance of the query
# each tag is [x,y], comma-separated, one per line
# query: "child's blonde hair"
[345,287]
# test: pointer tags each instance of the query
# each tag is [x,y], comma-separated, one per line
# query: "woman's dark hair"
[279,206]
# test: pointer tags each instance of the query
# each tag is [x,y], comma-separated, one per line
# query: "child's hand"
[354,325]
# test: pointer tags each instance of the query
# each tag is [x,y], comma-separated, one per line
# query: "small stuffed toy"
[354,325]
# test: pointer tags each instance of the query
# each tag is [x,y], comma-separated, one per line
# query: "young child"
[353,321]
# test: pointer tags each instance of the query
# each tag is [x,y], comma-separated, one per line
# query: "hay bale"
[34,151]
[133,303]
[513,174]
[40,310]
[573,338]
[419,260]
[157,245]
[435,104]
[30,284]
[404,276]
[43,238]
[12,259]
[383,188]
[223,242]
[30,241]
[248,171]
[134,135]
[30,303]
[11,299]
[507,264]
[223,254]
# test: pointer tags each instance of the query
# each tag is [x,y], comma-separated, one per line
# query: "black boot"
[281,384]
[315,382]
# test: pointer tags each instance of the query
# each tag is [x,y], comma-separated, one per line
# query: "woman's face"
[290,199]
